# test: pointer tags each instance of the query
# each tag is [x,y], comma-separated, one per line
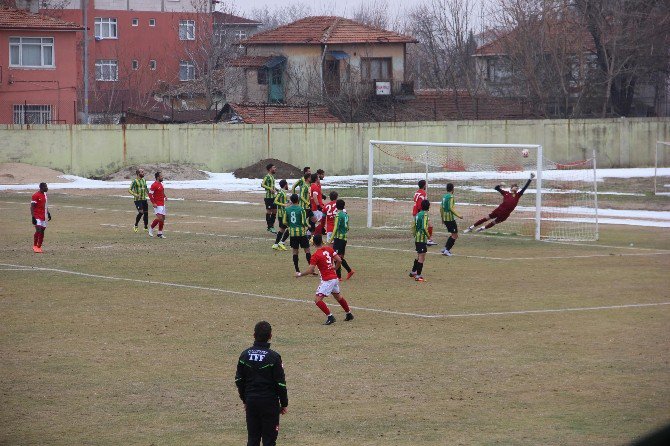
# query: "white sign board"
[383,88]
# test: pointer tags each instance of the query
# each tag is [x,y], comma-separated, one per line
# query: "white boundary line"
[374,310]
[381,248]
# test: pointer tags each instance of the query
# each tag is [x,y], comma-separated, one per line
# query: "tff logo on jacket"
[257,355]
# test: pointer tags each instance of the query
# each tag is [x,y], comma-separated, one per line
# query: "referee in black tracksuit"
[262,386]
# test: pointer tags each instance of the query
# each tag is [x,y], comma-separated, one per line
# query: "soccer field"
[111,337]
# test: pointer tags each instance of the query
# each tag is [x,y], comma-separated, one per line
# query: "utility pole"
[85,18]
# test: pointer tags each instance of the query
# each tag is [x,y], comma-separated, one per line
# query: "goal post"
[661,159]
[396,166]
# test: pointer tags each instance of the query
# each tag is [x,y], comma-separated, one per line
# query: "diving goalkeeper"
[502,212]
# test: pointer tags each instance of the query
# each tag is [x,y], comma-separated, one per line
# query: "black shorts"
[339,246]
[309,213]
[452,227]
[421,247]
[299,242]
[142,206]
[270,203]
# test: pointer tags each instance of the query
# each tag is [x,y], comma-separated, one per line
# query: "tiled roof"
[250,61]
[575,35]
[223,18]
[281,114]
[326,30]
[19,19]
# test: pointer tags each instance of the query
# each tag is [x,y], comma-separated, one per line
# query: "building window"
[136,65]
[105,28]
[497,71]
[187,30]
[32,114]
[376,68]
[152,22]
[262,76]
[186,71]
[152,64]
[136,22]
[33,52]
[106,70]
[240,35]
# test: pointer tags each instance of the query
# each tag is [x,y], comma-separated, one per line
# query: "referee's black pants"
[262,421]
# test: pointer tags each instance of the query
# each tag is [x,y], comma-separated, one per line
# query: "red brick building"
[38,70]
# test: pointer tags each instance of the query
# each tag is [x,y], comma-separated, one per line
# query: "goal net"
[661,160]
[560,204]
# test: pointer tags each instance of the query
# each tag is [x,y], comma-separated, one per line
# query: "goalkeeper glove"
[34,221]
[48,215]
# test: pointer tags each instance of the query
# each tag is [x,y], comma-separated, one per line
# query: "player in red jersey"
[39,211]
[316,202]
[330,210]
[502,212]
[158,198]
[327,261]
[419,196]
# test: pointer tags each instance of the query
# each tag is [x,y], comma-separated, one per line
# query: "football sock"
[138,218]
[346,265]
[295,263]
[490,225]
[430,232]
[416,265]
[344,305]
[450,243]
[419,268]
[308,256]
[479,222]
[273,217]
[40,239]
[154,223]
[146,219]
[160,226]
[339,273]
[323,307]
[267,220]
[285,236]
[278,238]
[36,238]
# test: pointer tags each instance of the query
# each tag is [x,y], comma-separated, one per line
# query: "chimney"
[28,5]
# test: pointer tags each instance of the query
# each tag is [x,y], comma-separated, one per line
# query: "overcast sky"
[335,7]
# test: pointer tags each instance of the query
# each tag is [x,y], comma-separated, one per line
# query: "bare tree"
[631,39]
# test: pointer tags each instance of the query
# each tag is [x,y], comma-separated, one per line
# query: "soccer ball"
[524,153]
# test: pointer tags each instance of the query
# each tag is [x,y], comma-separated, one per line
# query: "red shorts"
[500,215]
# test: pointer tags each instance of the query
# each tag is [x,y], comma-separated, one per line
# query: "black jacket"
[260,374]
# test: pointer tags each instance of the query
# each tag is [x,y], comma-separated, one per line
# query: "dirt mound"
[19,173]
[258,170]
[172,172]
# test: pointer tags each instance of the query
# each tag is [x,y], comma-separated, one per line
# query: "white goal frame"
[539,170]
[658,144]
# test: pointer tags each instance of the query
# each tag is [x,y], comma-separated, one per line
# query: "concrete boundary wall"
[338,148]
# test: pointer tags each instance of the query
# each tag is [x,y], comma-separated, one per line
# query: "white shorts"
[318,215]
[327,287]
[329,235]
[160,210]
[42,223]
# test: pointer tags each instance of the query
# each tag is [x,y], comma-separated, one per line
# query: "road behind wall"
[338,148]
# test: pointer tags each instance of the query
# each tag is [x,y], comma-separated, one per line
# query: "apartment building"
[137,45]
[38,79]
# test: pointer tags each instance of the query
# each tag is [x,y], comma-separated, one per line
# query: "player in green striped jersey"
[298,184]
[305,190]
[270,191]
[281,201]
[297,223]
[449,214]
[140,192]
[421,236]
[340,231]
